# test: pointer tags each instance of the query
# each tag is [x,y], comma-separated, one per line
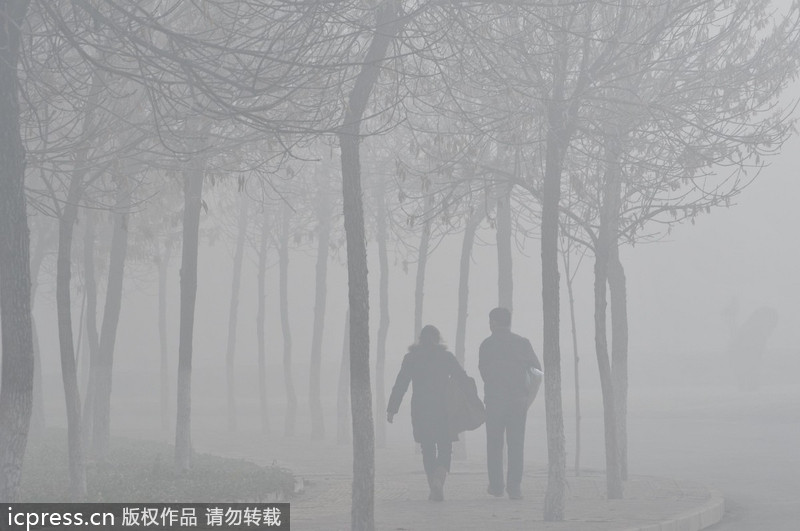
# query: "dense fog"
[649,142]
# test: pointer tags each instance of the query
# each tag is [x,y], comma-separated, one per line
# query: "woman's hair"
[429,335]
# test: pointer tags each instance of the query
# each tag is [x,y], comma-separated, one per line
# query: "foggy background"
[688,294]
[679,289]
[681,373]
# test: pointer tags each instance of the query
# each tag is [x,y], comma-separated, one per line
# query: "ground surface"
[744,446]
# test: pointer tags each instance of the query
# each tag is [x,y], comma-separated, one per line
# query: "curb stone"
[400,504]
[701,518]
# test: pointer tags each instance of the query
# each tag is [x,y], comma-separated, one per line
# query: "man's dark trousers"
[505,420]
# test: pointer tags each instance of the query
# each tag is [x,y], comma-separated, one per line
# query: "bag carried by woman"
[465,410]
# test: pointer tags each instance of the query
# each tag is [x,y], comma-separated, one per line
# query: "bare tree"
[163,260]
[108,332]
[381,215]
[505,272]
[569,276]
[44,242]
[423,250]
[388,22]
[324,214]
[15,277]
[193,176]
[344,427]
[288,380]
[667,131]
[260,318]
[230,353]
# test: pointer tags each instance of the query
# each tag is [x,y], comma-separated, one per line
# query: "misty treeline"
[328,125]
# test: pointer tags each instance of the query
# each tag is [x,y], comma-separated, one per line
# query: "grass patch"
[144,472]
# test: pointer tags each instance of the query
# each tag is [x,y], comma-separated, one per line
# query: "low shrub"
[144,472]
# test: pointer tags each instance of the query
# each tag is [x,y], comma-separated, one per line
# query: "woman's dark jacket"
[428,368]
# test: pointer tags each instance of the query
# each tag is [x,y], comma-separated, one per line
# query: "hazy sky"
[678,288]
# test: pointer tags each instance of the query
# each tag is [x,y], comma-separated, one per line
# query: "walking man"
[503,360]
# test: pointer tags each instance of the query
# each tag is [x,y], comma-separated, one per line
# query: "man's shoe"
[514,494]
[495,492]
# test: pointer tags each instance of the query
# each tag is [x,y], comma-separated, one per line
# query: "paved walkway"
[323,503]
[650,503]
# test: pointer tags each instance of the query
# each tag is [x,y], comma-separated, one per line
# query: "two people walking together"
[504,360]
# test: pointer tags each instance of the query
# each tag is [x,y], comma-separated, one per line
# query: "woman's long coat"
[428,368]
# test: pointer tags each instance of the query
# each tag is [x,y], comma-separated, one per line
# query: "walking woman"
[429,365]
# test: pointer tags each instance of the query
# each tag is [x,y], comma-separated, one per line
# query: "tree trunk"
[387,24]
[320,300]
[613,478]
[37,425]
[288,379]
[422,262]
[163,270]
[230,355]
[81,352]
[344,434]
[192,196]
[460,446]
[101,428]
[576,357]
[363,500]
[90,324]
[16,389]
[556,447]
[606,239]
[69,373]
[260,318]
[383,322]
[505,274]
[619,352]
